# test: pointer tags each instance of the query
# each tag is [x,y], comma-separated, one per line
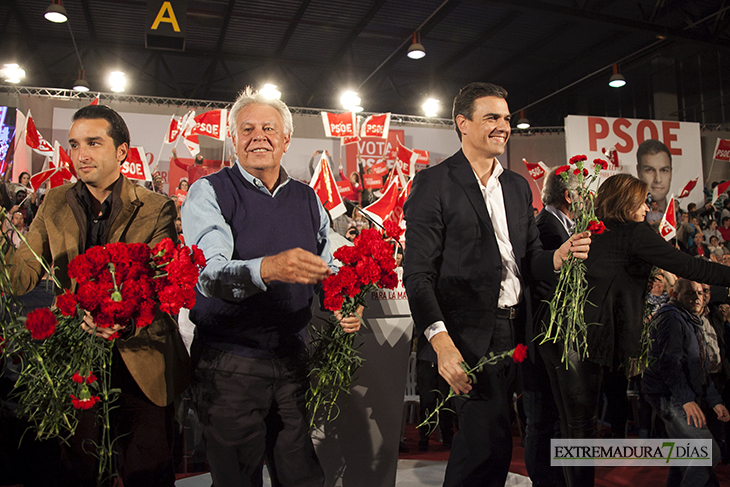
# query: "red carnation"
[561,170]
[333,302]
[601,162]
[392,229]
[84,403]
[576,159]
[389,280]
[596,227]
[91,378]
[66,303]
[41,323]
[77,378]
[520,353]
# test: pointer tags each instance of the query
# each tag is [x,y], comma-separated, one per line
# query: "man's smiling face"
[489,128]
[259,138]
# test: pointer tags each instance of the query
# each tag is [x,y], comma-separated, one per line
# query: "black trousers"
[576,389]
[482,448]
[254,410]
[144,435]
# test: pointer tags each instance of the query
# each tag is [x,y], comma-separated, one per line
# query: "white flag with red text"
[668,225]
[340,124]
[35,140]
[325,186]
[173,130]
[61,170]
[136,166]
[407,159]
[536,169]
[719,189]
[376,126]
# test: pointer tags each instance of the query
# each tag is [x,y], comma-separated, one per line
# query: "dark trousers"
[432,388]
[254,410]
[144,435]
[482,448]
[543,422]
[675,421]
[576,389]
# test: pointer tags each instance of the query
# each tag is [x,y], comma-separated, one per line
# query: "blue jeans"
[675,421]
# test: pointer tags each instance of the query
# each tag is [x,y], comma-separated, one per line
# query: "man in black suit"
[471,244]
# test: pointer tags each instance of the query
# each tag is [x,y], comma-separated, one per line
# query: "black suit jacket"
[617,270]
[452,265]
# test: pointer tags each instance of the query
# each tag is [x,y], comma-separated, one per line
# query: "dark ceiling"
[675,54]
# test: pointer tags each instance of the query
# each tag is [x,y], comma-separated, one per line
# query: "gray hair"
[250,96]
[554,186]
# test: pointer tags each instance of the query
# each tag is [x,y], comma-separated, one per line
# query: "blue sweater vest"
[267,324]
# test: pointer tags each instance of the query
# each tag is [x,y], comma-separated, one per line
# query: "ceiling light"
[270,91]
[350,101]
[81,84]
[431,108]
[617,80]
[416,50]
[117,81]
[523,123]
[56,13]
[13,73]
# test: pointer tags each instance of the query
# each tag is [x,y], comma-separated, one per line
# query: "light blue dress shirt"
[204,226]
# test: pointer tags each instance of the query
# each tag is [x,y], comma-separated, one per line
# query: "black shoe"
[447,440]
[402,447]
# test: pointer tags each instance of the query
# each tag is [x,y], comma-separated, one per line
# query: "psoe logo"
[634,452]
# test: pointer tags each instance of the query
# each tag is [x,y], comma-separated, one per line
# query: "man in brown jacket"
[149,365]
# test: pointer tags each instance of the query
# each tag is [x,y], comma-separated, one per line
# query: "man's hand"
[578,243]
[351,323]
[724,311]
[296,266]
[695,415]
[722,413]
[89,326]
[174,153]
[449,361]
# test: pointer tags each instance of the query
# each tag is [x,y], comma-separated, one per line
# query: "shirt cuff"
[436,327]
[255,266]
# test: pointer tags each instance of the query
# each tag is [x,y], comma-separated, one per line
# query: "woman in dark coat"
[618,268]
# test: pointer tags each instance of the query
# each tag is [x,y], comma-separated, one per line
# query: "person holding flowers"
[149,365]
[617,271]
[264,236]
[472,248]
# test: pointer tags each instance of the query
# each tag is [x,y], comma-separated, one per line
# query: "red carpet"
[605,476]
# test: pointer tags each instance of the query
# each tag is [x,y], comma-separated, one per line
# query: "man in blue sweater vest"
[264,236]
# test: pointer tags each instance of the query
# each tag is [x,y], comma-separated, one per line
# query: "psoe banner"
[666,167]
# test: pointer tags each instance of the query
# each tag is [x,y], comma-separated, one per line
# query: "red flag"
[382,209]
[407,159]
[95,101]
[211,124]
[536,169]
[350,140]
[688,188]
[192,143]
[325,187]
[173,130]
[668,225]
[340,124]
[612,156]
[136,166]
[181,195]
[719,189]
[376,126]
[722,150]
[380,168]
[60,171]
[35,140]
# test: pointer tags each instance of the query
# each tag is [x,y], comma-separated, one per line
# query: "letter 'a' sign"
[165,24]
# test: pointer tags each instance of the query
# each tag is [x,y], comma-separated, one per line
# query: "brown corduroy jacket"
[155,355]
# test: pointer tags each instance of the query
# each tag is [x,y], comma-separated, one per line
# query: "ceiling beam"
[292,27]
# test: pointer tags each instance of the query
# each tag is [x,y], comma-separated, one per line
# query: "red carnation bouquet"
[366,266]
[66,369]
[567,324]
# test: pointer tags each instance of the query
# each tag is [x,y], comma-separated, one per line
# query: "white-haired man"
[264,236]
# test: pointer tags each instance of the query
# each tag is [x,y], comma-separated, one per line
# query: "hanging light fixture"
[617,80]
[56,13]
[81,84]
[523,123]
[117,82]
[350,101]
[270,91]
[416,50]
